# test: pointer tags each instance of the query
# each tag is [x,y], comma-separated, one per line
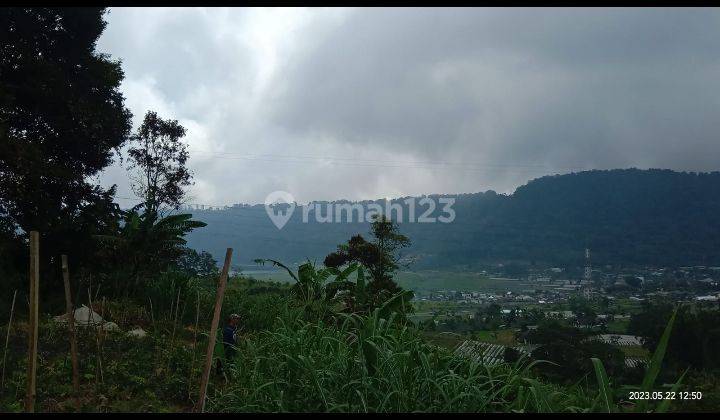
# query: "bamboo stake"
[194,346]
[152,314]
[102,334]
[7,342]
[33,324]
[71,328]
[174,317]
[172,302]
[97,342]
[213,332]
[97,292]
[182,313]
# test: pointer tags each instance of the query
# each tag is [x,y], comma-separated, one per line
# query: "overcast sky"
[358,104]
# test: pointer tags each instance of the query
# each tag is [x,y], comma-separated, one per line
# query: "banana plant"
[354,296]
[319,289]
[146,244]
[310,289]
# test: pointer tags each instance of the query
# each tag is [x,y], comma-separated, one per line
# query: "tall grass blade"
[606,393]
[656,362]
[665,404]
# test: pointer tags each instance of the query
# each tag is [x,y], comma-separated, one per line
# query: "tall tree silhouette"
[381,256]
[61,117]
[159,159]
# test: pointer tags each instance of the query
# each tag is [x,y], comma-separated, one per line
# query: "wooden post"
[7,342]
[200,407]
[71,328]
[33,320]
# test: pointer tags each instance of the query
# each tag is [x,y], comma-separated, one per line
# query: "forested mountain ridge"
[626,216]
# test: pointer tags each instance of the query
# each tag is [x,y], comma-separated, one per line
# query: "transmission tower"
[588,274]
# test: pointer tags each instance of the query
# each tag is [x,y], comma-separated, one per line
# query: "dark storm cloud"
[561,87]
[412,101]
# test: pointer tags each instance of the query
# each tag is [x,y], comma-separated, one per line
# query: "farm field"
[423,281]
[431,280]
[278,276]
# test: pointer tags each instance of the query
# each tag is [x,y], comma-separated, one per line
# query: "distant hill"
[626,216]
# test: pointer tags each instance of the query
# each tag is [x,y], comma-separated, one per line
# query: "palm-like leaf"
[146,244]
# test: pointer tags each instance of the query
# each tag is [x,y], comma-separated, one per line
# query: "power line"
[342,161]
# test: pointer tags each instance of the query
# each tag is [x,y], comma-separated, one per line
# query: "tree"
[510,355]
[695,338]
[381,257]
[583,310]
[633,282]
[151,241]
[533,315]
[197,264]
[159,158]
[61,117]
[389,241]
[570,349]
[604,304]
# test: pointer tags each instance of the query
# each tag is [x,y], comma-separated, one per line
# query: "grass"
[606,400]
[618,326]
[137,375]
[504,337]
[450,340]
[276,276]
[371,363]
[158,373]
[635,351]
[375,365]
[447,340]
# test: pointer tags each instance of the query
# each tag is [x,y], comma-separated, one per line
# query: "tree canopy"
[159,158]
[62,116]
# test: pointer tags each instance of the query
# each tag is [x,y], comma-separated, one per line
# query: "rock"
[137,332]
[84,317]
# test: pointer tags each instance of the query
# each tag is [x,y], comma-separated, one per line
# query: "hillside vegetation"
[296,353]
[626,216]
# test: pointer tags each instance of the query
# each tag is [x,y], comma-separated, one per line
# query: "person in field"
[229,340]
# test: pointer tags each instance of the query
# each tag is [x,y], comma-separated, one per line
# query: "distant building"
[619,339]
